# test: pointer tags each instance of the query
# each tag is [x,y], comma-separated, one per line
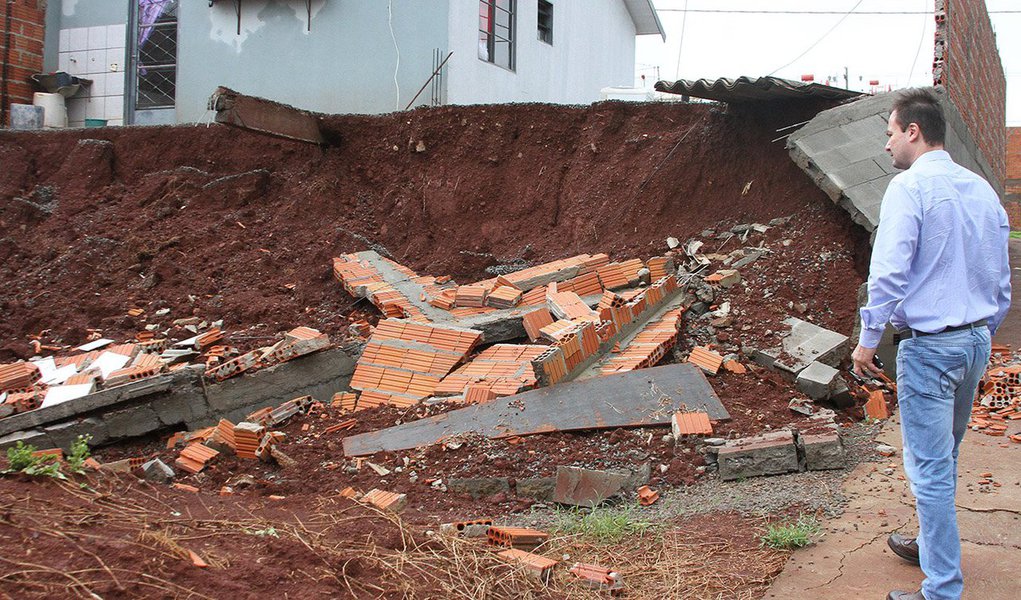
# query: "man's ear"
[913,132]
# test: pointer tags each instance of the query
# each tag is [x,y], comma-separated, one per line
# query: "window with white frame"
[496,32]
[546,21]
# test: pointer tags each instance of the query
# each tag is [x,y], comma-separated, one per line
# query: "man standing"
[939,275]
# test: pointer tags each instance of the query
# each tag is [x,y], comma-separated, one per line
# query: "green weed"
[602,524]
[790,535]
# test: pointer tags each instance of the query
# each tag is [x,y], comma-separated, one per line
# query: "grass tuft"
[609,524]
[790,535]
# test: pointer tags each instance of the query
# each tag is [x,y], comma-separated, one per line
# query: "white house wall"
[593,47]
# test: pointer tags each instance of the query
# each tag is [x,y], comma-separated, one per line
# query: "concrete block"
[27,116]
[184,405]
[264,116]
[804,344]
[479,487]
[823,450]
[771,453]
[857,173]
[537,488]
[35,437]
[818,381]
[590,487]
[158,471]
[131,422]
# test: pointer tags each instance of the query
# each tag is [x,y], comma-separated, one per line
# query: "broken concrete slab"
[158,471]
[537,488]
[803,344]
[642,397]
[264,116]
[818,381]
[771,453]
[590,487]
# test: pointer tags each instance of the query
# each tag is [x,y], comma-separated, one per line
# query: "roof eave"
[644,16]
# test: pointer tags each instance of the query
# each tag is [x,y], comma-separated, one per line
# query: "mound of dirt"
[231,225]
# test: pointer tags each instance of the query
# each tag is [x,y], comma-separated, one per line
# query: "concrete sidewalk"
[852,561]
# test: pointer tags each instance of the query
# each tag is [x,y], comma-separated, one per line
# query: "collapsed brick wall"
[967,63]
[21,51]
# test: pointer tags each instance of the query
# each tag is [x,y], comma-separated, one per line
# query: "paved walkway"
[852,561]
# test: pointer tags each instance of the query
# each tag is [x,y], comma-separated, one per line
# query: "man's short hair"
[921,107]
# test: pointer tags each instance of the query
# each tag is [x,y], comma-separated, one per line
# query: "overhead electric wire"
[824,36]
[814,12]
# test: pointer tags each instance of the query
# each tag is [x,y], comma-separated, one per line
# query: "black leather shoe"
[897,595]
[904,547]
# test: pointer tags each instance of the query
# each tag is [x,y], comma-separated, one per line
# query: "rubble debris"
[770,453]
[264,116]
[515,537]
[590,488]
[158,471]
[383,500]
[647,496]
[469,529]
[817,381]
[599,578]
[685,425]
[706,359]
[195,457]
[803,344]
[539,567]
[643,397]
[875,408]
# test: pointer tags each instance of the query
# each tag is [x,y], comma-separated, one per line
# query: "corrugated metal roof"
[752,89]
[645,18]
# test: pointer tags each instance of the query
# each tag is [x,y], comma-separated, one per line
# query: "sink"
[59,82]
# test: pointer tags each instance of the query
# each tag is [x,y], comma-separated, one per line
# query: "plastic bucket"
[55,114]
[95,122]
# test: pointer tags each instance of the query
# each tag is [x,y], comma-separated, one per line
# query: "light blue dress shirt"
[940,255]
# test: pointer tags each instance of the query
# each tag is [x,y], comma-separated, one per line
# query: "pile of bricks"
[296,342]
[999,398]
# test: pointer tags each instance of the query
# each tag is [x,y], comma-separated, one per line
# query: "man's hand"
[862,359]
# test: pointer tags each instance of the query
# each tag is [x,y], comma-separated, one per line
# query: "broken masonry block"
[515,537]
[384,500]
[288,409]
[691,424]
[195,457]
[647,495]
[823,450]
[158,471]
[467,529]
[771,453]
[264,116]
[233,367]
[537,566]
[875,407]
[247,438]
[817,381]
[803,344]
[705,359]
[590,487]
[598,577]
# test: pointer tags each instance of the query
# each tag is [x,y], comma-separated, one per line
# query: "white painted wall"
[593,47]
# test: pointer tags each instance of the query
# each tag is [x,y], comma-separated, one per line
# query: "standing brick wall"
[23,23]
[1012,202]
[967,63]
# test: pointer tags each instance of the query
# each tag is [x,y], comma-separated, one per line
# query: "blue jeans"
[937,378]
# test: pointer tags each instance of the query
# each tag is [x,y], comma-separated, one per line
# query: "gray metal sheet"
[635,398]
[754,89]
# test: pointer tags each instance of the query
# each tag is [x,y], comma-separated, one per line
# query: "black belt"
[904,334]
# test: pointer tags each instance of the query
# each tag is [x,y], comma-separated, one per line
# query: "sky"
[895,49]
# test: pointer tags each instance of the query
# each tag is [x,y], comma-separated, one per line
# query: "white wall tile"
[97,38]
[64,62]
[98,87]
[65,40]
[115,59]
[75,124]
[76,109]
[95,108]
[96,61]
[115,122]
[114,107]
[116,36]
[76,62]
[115,84]
[78,38]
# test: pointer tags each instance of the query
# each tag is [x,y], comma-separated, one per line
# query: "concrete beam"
[264,116]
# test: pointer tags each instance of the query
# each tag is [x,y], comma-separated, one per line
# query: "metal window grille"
[546,21]
[497,32]
[156,60]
